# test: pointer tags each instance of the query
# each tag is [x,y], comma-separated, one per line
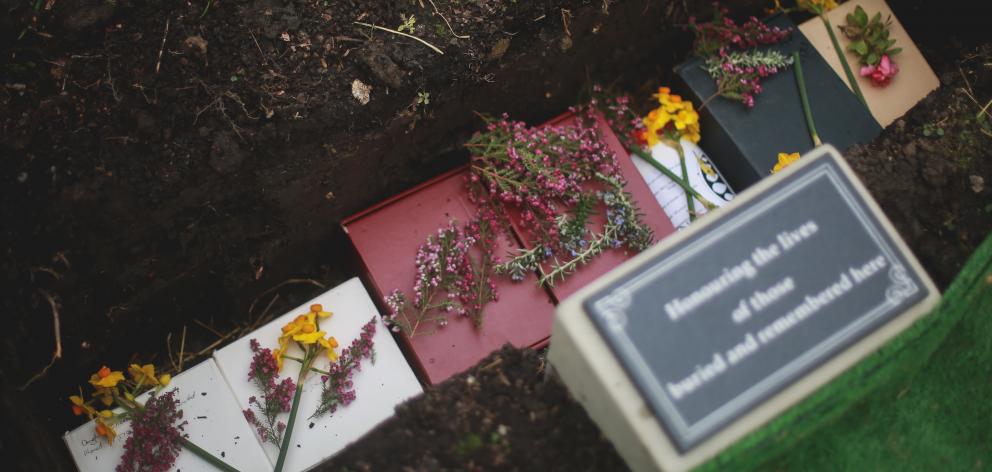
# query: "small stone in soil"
[201,417]
[203,394]
[222,454]
[311,425]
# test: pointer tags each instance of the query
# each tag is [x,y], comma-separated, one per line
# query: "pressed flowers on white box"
[210,419]
[356,377]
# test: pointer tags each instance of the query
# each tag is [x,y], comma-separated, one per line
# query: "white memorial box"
[378,387]
[214,422]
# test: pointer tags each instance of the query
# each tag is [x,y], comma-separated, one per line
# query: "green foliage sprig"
[869,37]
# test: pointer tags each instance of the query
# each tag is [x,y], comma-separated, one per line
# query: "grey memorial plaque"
[717,323]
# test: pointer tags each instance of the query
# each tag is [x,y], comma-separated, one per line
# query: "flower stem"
[671,175]
[304,369]
[212,459]
[843,61]
[801,82]
[685,176]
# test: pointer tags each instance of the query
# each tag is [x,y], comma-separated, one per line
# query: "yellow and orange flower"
[330,343]
[319,310]
[674,119]
[79,406]
[305,330]
[106,378]
[817,7]
[105,430]
[143,374]
[784,160]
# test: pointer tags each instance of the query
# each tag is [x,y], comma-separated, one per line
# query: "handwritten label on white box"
[214,422]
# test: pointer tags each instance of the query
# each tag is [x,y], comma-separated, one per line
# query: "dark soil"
[501,414]
[194,186]
[930,170]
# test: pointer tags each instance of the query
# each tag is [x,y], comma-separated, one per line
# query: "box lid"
[913,82]
[387,237]
[652,215]
[746,144]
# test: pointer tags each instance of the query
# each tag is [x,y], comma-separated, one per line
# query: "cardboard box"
[744,143]
[386,237]
[913,82]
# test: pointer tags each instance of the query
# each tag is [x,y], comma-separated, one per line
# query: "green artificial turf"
[922,402]
[939,418]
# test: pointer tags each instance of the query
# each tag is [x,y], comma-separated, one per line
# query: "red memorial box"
[386,238]
[652,214]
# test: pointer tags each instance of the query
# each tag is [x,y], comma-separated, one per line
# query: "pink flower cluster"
[738,75]
[155,439]
[338,388]
[447,280]
[619,116]
[723,33]
[277,397]
[541,171]
[882,73]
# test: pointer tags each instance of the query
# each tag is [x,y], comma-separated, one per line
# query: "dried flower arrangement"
[304,331]
[556,178]
[672,121]
[731,57]
[870,41]
[156,427]
[552,180]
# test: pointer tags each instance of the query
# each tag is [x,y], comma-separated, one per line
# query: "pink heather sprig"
[540,171]
[723,33]
[338,388]
[619,115]
[276,398]
[552,177]
[447,280]
[156,435]
[738,75]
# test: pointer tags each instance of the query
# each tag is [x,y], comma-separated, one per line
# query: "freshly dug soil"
[930,170]
[168,194]
[501,414]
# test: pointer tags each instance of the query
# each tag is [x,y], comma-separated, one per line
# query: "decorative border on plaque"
[611,309]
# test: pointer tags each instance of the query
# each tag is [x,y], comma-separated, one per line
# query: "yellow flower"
[784,160]
[103,429]
[319,310]
[330,343]
[294,326]
[106,378]
[671,110]
[79,406]
[143,374]
[278,353]
[309,337]
[817,6]
[164,379]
